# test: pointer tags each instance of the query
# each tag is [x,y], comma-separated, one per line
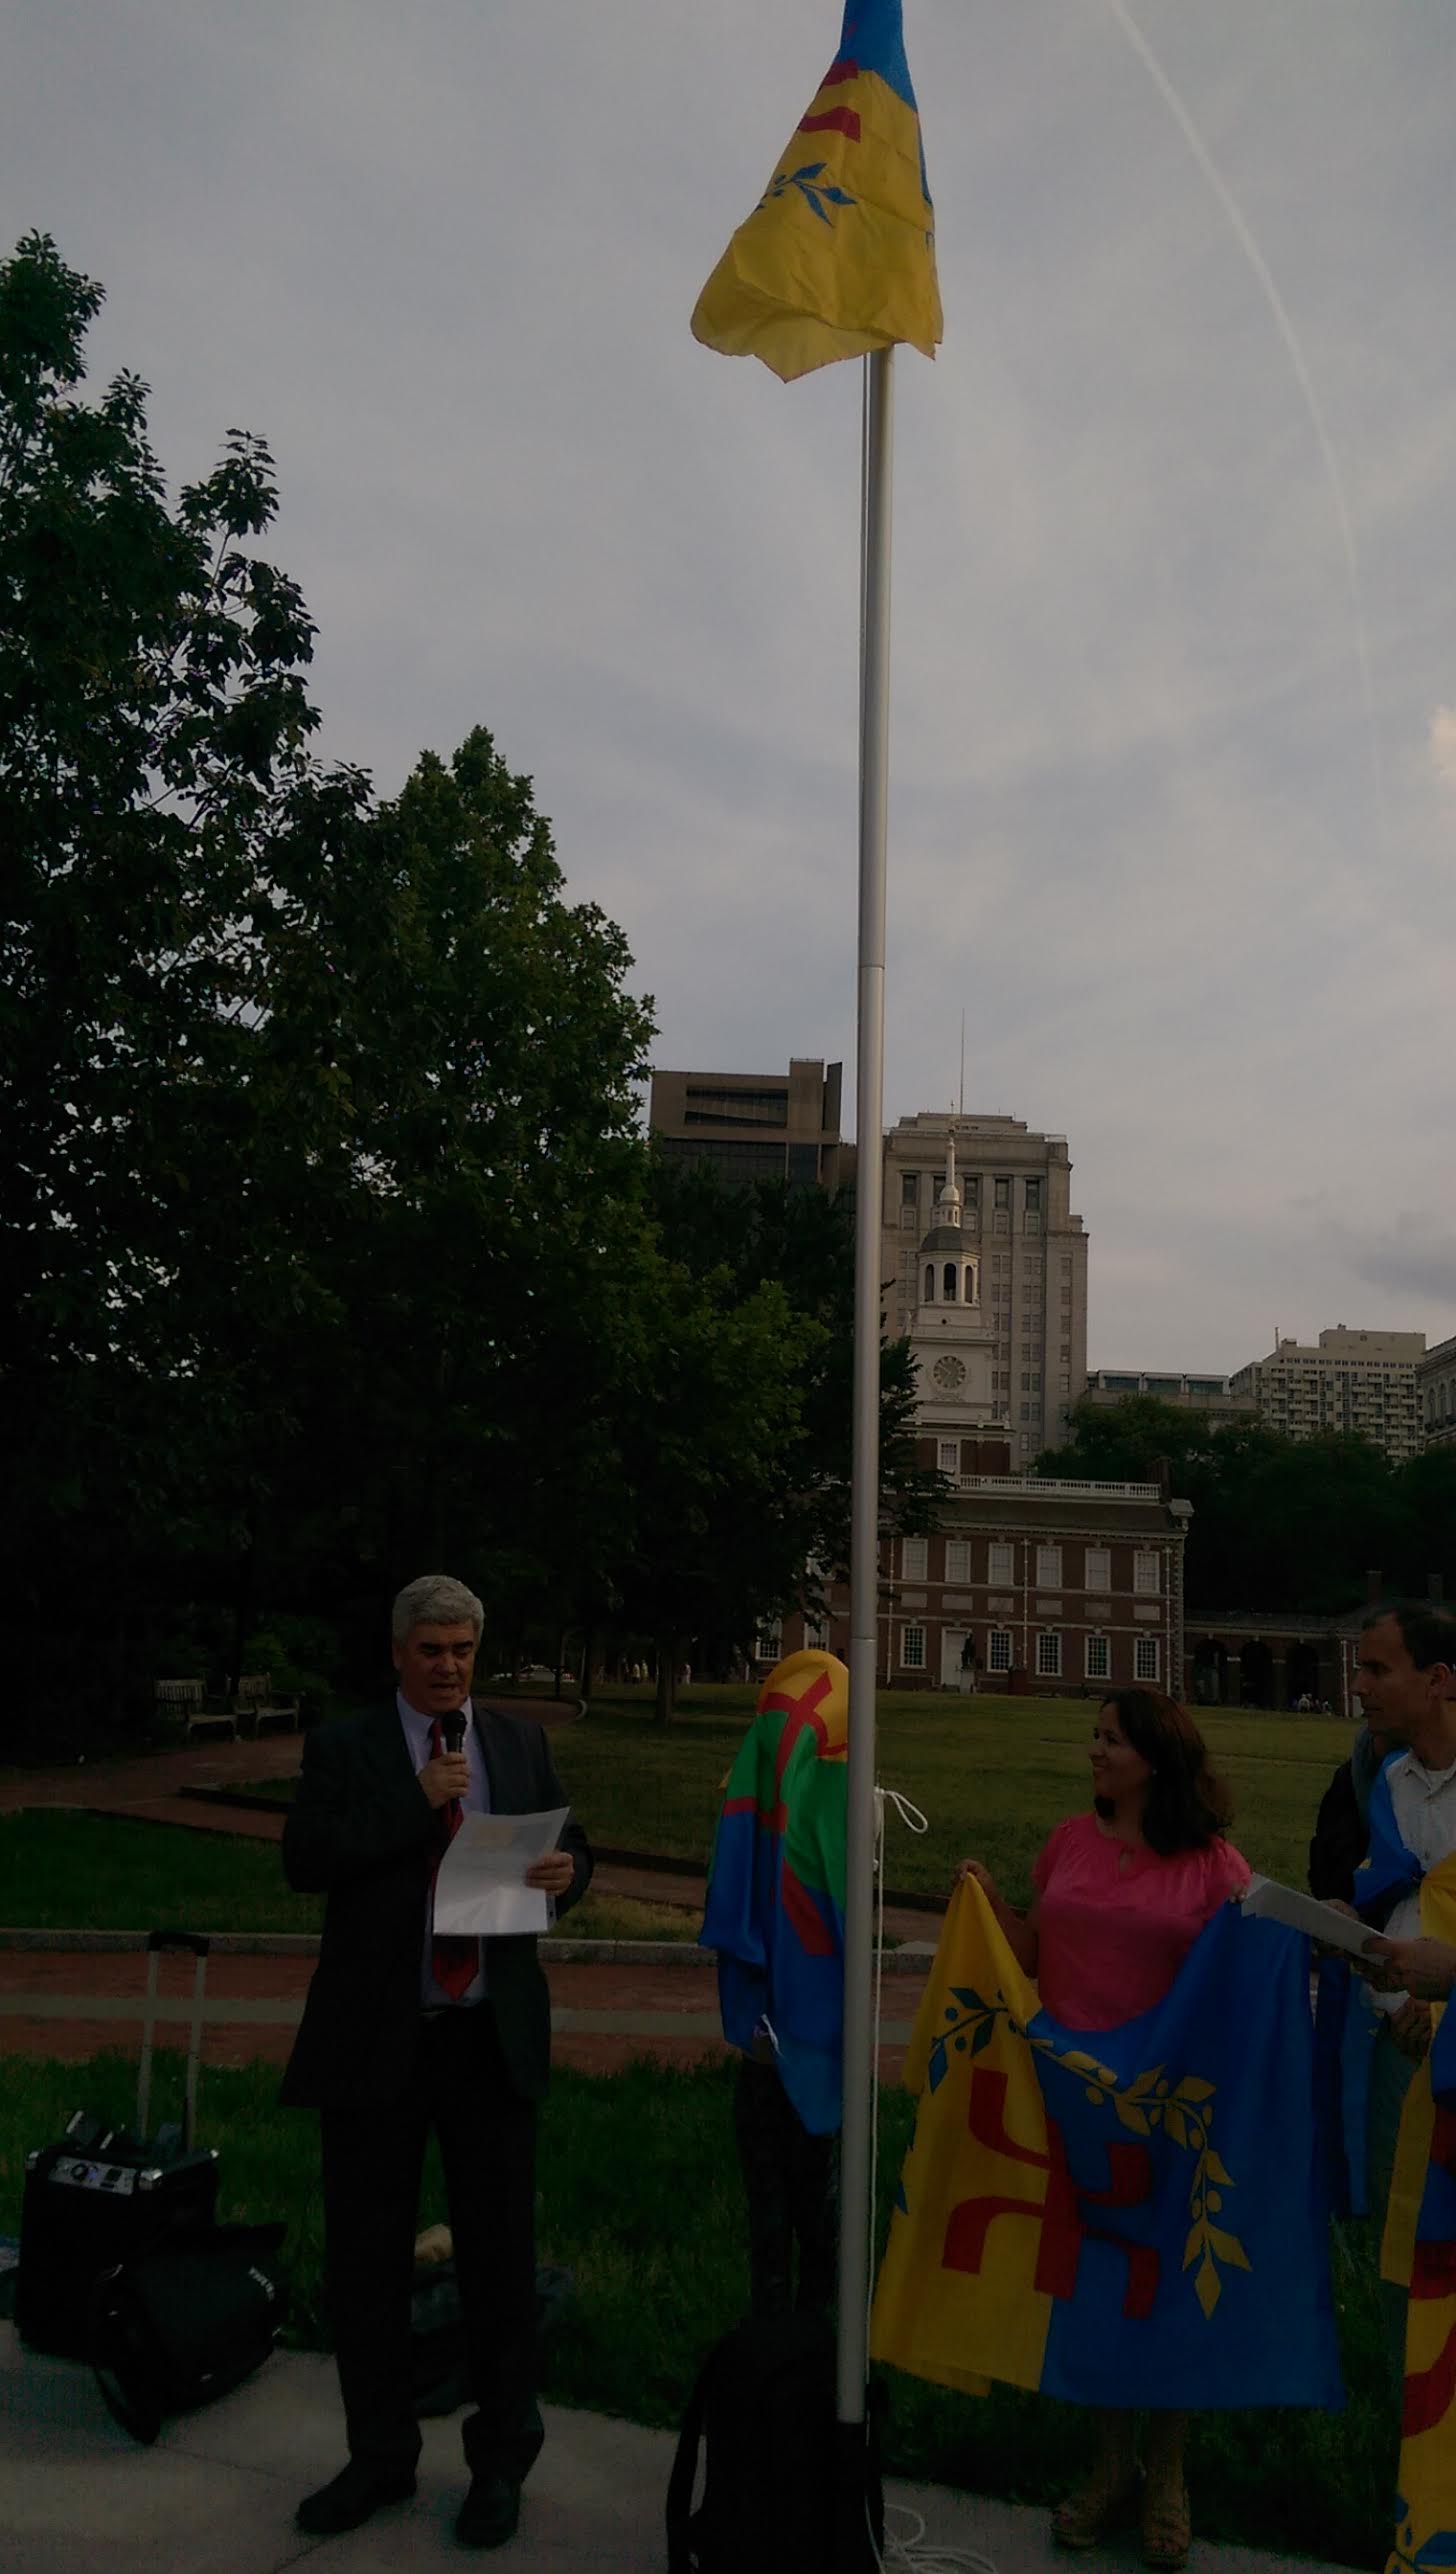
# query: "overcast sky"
[1173,809]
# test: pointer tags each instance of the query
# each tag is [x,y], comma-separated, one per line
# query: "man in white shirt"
[1404,1679]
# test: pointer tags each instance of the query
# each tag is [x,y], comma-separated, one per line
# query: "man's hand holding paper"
[498,1873]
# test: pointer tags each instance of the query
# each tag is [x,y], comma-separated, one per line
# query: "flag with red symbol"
[1133,2215]
[775,1910]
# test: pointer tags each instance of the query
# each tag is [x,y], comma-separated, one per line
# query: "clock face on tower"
[949,1374]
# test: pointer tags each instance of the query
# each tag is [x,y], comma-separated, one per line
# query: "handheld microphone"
[452,1728]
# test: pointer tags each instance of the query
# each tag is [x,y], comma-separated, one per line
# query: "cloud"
[444,259]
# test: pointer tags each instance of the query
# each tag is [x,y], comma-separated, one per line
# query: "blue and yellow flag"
[1133,2216]
[838,256]
[1425,2507]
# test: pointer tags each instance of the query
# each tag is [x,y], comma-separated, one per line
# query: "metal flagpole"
[858,2094]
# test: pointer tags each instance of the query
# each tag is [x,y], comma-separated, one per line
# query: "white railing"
[1028,1487]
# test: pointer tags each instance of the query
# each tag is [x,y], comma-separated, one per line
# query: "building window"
[949,1455]
[914,1558]
[908,1219]
[930,1282]
[957,1559]
[1099,1658]
[1048,1568]
[998,1652]
[1003,1193]
[1146,1575]
[909,1188]
[1145,1657]
[912,1648]
[768,1643]
[1033,1195]
[949,1282]
[1049,1655]
[1099,1568]
[1064,1382]
[971,1190]
[1026,1380]
[816,1635]
[1026,1416]
[1000,1562]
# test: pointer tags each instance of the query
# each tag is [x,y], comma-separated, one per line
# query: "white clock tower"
[951,1336]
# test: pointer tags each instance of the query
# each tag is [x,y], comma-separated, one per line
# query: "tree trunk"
[666,1679]
[584,1686]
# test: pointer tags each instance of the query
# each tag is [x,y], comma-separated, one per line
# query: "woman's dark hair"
[1187,1806]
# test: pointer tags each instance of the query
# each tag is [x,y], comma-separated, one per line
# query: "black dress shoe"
[490,2512]
[353,2497]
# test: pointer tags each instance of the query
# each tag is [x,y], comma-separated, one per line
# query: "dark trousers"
[789,2183]
[372,2162]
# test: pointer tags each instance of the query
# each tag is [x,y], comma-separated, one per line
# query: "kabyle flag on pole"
[837,259]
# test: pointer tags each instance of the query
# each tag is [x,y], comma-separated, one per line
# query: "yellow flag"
[838,256]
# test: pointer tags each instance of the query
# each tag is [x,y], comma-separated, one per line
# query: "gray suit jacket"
[363,1832]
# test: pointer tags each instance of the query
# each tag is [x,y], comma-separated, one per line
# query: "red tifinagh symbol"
[1062,2229]
[1428,2391]
[838,120]
[813,1937]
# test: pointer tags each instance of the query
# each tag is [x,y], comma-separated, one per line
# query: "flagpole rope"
[907,2554]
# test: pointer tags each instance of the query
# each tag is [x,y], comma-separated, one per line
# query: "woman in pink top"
[1121,1895]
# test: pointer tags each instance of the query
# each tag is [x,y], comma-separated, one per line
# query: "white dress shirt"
[419,1735]
[1425,1812]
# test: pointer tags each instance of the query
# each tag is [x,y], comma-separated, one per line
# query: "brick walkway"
[71,2001]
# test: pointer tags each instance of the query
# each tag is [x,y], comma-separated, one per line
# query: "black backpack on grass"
[765,2404]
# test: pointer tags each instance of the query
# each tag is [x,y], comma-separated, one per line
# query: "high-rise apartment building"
[1027,1250]
[1436,1394]
[1350,1380]
[756,1126]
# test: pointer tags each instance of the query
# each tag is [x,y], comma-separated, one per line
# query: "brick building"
[1057,1588]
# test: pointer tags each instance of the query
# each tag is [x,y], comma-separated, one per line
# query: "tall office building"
[1360,1381]
[1028,1250]
[756,1126]
[1436,1394]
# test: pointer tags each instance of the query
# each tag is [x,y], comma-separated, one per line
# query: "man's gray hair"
[435,1600]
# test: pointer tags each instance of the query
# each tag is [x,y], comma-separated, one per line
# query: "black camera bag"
[185,2322]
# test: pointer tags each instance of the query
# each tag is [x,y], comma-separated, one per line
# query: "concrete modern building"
[1204,1393]
[1436,1394]
[1057,1589]
[756,1126]
[1027,1250]
[1351,1380]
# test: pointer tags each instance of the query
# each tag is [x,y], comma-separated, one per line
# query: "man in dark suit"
[404,2030]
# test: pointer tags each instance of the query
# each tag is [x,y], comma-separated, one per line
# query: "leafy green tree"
[768,1526]
[154,723]
[1278,1523]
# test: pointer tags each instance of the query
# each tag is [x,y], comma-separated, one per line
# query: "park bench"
[257,1710]
[188,1699]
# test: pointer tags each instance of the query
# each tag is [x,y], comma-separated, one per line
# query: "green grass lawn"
[640,2201]
[992,1775]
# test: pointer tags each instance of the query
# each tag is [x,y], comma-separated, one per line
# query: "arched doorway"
[1210,1672]
[1256,1675]
[1302,1673]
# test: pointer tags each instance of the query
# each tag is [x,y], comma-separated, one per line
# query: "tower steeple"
[948,1204]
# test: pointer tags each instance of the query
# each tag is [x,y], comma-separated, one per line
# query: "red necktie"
[454,1960]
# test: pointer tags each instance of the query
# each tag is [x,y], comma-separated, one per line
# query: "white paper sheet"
[1265,1895]
[480,1888]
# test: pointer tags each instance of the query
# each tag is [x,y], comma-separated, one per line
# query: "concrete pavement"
[217,2493]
